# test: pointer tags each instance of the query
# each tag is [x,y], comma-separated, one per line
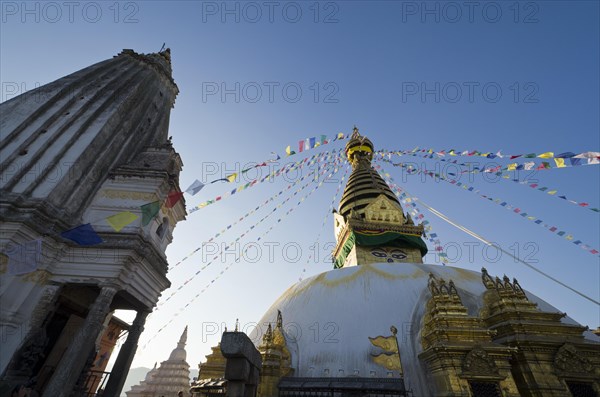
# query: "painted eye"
[379,254]
[398,255]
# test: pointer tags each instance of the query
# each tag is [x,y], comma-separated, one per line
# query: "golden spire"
[364,184]
[370,216]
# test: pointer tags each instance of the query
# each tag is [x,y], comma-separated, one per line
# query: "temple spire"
[183,339]
[370,218]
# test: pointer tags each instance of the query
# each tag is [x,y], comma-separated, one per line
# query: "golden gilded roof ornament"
[268,336]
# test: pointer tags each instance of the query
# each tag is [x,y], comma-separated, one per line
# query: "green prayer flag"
[149,211]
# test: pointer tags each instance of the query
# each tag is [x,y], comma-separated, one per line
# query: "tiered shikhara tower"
[461,333]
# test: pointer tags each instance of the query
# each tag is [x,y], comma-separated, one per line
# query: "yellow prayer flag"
[552,192]
[547,155]
[231,178]
[288,150]
[391,362]
[569,237]
[511,167]
[560,163]
[120,220]
[340,135]
[388,344]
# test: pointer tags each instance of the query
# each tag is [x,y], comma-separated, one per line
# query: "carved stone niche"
[569,361]
[478,364]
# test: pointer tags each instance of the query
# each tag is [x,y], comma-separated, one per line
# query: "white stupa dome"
[328,318]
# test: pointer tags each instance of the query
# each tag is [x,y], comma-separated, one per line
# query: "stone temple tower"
[74,154]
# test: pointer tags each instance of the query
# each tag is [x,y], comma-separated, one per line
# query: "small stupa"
[172,376]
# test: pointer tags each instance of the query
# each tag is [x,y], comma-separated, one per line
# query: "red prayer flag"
[173,198]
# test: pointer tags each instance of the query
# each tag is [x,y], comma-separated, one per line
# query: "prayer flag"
[565,155]
[529,165]
[231,178]
[575,161]
[300,146]
[83,235]
[194,187]
[530,156]
[120,220]
[24,258]
[173,198]
[511,167]
[560,162]
[547,155]
[149,211]
[589,156]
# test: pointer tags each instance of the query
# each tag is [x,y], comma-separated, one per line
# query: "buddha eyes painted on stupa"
[391,256]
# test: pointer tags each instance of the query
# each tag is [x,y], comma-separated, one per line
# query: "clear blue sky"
[361,58]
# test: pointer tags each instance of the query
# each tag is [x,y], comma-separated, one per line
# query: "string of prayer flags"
[590,157]
[329,212]
[194,187]
[120,220]
[414,211]
[24,258]
[272,198]
[83,235]
[285,169]
[527,166]
[149,211]
[248,230]
[312,142]
[183,308]
[501,203]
